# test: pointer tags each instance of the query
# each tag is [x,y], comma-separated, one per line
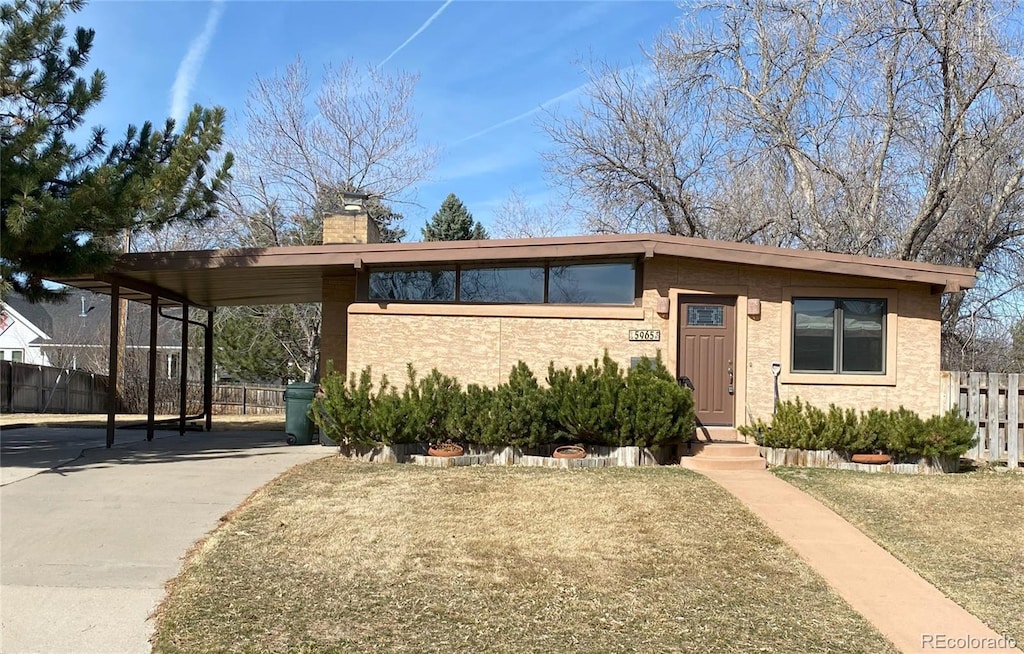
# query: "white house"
[21,339]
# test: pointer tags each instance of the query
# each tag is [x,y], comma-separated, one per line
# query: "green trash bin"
[297,424]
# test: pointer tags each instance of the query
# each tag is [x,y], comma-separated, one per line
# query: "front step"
[719,434]
[723,456]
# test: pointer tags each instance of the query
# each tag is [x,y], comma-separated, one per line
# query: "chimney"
[352,224]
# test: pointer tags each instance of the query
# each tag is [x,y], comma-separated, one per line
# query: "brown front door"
[707,354]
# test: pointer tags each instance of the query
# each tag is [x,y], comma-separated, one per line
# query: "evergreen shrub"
[595,405]
[901,433]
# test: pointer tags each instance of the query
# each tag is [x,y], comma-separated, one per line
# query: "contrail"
[409,40]
[525,114]
[188,69]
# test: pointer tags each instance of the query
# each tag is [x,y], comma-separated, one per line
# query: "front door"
[707,354]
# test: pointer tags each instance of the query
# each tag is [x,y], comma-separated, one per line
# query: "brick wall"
[482,348]
[338,294]
[350,227]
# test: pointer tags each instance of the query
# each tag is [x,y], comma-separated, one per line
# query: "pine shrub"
[518,407]
[582,404]
[901,433]
[653,409]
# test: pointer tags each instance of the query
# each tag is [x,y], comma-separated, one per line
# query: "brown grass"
[344,557]
[270,422]
[964,533]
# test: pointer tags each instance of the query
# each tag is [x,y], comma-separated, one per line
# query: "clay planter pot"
[876,459]
[569,452]
[445,449]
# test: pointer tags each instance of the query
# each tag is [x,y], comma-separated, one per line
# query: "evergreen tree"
[63,204]
[453,222]
[248,344]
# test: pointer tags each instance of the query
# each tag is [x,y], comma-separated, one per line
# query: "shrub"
[472,416]
[901,433]
[342,412]
[582,403]
[518,407]
[945,435]
[389,420]
[872,431]
[653,409]
[948,435]
[841,429]
[435,399]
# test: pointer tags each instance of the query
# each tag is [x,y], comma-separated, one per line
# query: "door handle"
[732,388]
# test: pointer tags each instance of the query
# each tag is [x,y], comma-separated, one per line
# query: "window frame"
[363,283]
[838,336]
[890,324]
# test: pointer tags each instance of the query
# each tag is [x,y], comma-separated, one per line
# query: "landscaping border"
[925,465]
[624,457]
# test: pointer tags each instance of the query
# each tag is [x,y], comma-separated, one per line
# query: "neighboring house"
[854,331]
[75,334]
[23,328]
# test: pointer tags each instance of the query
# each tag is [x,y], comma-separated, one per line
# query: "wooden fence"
[247,400]
[25,387]
[994,402]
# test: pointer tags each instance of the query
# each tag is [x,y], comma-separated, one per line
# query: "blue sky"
[486,68]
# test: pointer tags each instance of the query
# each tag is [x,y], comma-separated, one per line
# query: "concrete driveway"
[85,548]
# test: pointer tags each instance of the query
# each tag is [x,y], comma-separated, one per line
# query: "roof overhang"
[286,275]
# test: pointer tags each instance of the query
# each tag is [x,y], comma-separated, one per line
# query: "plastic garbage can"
[297,424]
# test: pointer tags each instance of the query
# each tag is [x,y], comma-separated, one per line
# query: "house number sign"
[645,334]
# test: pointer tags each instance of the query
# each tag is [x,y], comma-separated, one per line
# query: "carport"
[202,281]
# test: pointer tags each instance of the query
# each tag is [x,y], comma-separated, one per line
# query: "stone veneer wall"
[483,348]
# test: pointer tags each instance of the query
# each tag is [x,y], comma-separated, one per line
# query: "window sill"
[564,311]
[812,379]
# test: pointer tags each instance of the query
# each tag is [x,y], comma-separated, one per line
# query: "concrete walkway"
[908,610]
[85,549]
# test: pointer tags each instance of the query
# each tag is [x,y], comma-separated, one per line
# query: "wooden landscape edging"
[786,456]
[597,456]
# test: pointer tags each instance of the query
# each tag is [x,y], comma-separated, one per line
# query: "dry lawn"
[964,533]
[346,557]
[270,422]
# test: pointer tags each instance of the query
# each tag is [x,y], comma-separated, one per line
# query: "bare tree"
[356,132]
[889,127]
[517,218]
[300,146]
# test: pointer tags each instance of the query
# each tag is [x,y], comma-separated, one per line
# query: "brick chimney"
[352,224]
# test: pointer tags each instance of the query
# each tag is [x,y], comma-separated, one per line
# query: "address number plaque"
[645,334]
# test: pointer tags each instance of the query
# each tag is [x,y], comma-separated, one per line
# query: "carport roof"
[284,275]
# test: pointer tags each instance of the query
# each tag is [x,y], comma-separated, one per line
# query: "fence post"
[995,446]
[1013,437]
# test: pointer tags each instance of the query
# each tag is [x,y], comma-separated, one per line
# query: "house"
[854,331]
[73,334]
[23,328]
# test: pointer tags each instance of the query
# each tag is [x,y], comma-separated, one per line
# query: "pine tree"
[453,222]
[63,205]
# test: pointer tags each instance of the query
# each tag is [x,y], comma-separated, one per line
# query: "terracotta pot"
[569,452]
[446,449]
[871,458]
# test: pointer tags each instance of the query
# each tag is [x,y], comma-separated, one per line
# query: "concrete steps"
[724,434]
[722,455]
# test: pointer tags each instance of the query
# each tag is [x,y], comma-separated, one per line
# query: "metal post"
[154,316]
[115,319]
[208,372]
[183,365]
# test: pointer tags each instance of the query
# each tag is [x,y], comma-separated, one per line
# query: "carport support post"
[154,316]
[183,388]
[208,371]
[115,319]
